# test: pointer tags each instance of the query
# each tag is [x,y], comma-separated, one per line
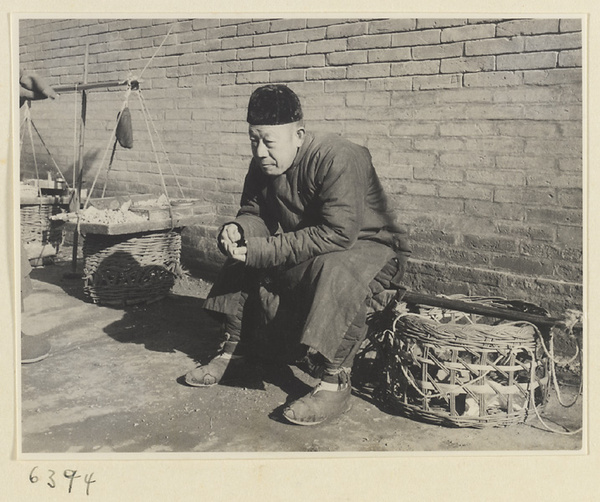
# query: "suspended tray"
[144,216]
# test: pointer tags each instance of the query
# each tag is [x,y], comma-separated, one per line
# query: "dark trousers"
[273,304]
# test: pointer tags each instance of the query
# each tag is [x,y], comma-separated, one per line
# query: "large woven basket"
[36,225]
[130,268]
[454,369]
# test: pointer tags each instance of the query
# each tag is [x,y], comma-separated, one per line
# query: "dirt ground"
[113,384]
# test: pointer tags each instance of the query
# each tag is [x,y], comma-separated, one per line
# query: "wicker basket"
[455,370]
[36,225]
[130,268]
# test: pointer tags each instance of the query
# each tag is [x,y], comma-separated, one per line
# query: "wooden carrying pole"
[477,308]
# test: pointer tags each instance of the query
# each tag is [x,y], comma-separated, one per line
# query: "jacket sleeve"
[252,217]
[342,181]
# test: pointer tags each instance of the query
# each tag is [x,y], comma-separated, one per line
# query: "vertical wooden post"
[80,153]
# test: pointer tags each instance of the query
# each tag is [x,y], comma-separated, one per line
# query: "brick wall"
[475,126]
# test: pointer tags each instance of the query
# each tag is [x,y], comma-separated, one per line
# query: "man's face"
[275,146]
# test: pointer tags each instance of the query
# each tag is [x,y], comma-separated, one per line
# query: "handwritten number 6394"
[69,474]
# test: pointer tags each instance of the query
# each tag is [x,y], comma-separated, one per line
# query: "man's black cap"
[274,104]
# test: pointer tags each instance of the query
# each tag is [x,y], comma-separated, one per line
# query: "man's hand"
[229,238]
[34,87]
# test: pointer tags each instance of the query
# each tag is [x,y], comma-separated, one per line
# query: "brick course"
[475,126]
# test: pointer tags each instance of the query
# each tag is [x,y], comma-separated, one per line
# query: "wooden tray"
[183,215]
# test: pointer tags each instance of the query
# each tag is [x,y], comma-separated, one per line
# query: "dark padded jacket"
[326,201]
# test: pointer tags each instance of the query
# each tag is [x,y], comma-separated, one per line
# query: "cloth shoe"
[325,402]
[34,348]
[214,372]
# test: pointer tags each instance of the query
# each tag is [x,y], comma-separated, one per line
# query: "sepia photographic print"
[298,236]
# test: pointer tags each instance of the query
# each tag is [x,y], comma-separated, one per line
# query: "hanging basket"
[454,369]
[39,234]
[130,268]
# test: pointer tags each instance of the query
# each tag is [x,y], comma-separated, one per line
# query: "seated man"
[313,220]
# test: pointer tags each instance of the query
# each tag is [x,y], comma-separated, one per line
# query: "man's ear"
[300,132]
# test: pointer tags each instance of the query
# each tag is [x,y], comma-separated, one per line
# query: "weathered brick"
[253,53]
[552,112]
[437,82]
[492,79]
[253,77]
[253,28]
[466,95]
[523,265]
[413,129]
[311,23]
[369,42]
[410,39]
[498,178]
[438,144]
[572,129]
[465,191]
[494,46]
[470,128]
[398,84]
[527,61]
[572,235]
[551,178]
[372,70]
[228,55]
[439,23]
[270,39]
[334,73]
[307,61]
[555,215]
[527,128]
[288,50]
[235,66]
[570,198]
[307,35]
[222,32]
[470,32]
[558,147]
[269,64]
[496,210]
[287,75]
[392,25]
[570,164]
[467,64]
[374,99]
[495,244]
[569,58]
[553,42]
[552,77]
[237,42]
[347,58]
[288,24]
[347,30]
[412,159]
[527,27]
[325,46]
[202,24]
[379,55]
[523,162]
[534,232]
[570,25]
[529,196]
[415,68]
[205,46]
[438,51]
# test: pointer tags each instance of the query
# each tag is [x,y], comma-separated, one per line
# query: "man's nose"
[261,150]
